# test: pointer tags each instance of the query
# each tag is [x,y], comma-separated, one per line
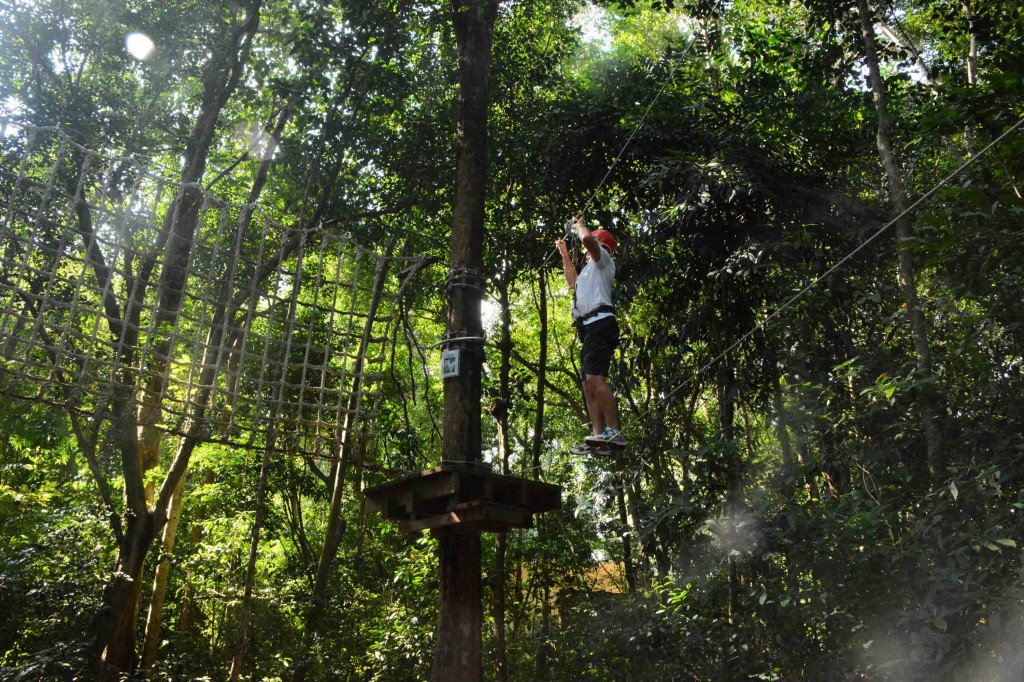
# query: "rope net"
[228,331]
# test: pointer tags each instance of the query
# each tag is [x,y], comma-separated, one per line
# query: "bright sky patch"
[139,45]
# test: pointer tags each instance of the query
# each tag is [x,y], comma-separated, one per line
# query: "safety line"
[629,140]
[761,325]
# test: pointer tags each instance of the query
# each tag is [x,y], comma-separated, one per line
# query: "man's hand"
[567,266]
[578,222]
[562,248]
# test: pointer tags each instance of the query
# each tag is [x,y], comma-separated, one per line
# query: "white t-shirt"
[594,288]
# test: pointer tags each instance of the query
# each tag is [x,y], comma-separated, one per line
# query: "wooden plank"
[477,516]
[447,490]
[437,484]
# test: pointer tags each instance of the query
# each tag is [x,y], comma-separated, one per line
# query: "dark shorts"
[600,339]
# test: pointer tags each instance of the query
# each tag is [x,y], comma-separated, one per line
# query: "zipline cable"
[629,140]
[778,311]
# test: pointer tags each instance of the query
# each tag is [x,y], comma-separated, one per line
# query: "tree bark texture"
[474,23]
[906,275]
[110,636]
[457,647]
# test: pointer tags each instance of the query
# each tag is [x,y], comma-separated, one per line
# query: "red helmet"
[606,238]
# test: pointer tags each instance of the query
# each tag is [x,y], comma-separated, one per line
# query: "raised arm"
[588,240]
[567,265]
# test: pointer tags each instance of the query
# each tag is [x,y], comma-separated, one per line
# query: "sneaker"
[610,437]
[586,450]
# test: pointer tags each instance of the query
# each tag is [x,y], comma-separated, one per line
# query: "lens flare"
[139,46]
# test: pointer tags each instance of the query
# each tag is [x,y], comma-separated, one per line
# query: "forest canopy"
[225,237]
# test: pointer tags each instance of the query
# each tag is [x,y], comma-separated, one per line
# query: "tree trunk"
[457,648]
[542,364]
[219,82]
[151,643]
[250,572]
[457,645]
[110,637]
[462,394]
[972,70]
[501,413]
[627,537]
[906,277]
[151,412]
[727,393]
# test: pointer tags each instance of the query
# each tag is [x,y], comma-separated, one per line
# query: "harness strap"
[604,308]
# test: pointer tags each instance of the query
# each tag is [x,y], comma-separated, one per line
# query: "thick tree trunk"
[457,646]
[457,651]
[929,404]
[462,394]
[110,637]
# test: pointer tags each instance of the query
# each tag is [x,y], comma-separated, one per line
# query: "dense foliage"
[782,511]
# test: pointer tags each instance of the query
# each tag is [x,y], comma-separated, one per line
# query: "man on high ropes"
[594,318]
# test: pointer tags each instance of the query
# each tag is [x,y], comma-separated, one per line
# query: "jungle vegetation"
[825,477]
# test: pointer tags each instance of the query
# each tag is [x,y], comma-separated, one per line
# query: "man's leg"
[597,421]
[599,342]
[600,403]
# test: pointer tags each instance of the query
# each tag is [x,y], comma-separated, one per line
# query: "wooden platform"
[462,499]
